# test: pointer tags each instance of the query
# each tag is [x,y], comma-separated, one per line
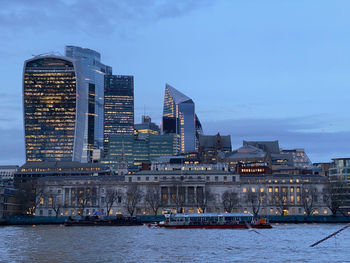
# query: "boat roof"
[213,215]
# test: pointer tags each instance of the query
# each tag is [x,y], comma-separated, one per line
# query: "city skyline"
[257,73]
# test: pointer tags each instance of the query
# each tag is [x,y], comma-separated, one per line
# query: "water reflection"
[287,243]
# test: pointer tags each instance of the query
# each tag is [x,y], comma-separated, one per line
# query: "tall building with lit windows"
[93,81]
[54,103]
[118,107]
[63,105]
[179,117]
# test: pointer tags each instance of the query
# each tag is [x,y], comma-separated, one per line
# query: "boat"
[104,221]
[214,221]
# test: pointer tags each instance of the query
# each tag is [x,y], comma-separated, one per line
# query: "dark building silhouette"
[212,148]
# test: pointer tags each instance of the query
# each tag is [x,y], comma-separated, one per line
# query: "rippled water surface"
[283,243]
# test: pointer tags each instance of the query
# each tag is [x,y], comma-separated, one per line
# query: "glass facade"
[120,147]
[93,72]
[119,107]
[179,118]
[50,109]
[162,145]
[137,151]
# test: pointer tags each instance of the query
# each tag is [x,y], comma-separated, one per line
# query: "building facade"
[63,105]
[179,118]
[7,172]
[55,106]
[93,82]
[184,192]
[213,148]
[119,107]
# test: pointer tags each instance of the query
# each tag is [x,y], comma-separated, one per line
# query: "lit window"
[244,190]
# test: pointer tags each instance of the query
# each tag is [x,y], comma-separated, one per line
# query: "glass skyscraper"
[119,107]
[53,103]
[179,118]
[93,81]
[63,105]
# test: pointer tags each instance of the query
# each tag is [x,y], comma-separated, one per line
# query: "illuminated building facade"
[179,118]
[54,103]
[119,107]
[147,127]
[93,81]
[212,148]
[138,151]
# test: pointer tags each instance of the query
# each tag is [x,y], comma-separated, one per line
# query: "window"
[208,178]
[41,212]
[276,189]
[325,211]
[216,178]
[130,179]
[292,189]
[271,210]
[156,179]
[253,189]
[270,189]
[261,190]
[244,190]
[147,179]
[138,179]
[49,212]
[225,178]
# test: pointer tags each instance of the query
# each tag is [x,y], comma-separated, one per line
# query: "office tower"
[119,107]
[55,106]
[93,81]
[199,131]
[179,118]
[147,127]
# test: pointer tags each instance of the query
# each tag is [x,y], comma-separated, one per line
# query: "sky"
[256,70]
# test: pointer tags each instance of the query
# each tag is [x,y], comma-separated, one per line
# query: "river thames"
[283,243]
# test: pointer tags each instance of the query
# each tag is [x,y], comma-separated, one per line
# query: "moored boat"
[213,220]
[107,221]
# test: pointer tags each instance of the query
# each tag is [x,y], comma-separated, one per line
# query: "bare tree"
[28,195]
[203,197]
[334,195]
[54,201]
[280,200]
[229,200]
[255,198]
[111,197]
[178,197]
[84,196]
[153,198]
[134,196]
[309,197]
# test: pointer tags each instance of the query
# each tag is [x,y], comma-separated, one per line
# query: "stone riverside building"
[182,191]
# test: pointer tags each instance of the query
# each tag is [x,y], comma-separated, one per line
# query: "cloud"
[89,16]
[311,133]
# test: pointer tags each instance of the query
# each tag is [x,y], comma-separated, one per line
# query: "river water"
[283,243]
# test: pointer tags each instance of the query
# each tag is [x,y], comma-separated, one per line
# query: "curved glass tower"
[54,109]
[179,118]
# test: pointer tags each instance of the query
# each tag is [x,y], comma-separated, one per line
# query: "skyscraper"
[179,118]
[119,107]
[54,103]
[93,81]
[63,105]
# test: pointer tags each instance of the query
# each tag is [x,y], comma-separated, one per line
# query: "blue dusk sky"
[257,70]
